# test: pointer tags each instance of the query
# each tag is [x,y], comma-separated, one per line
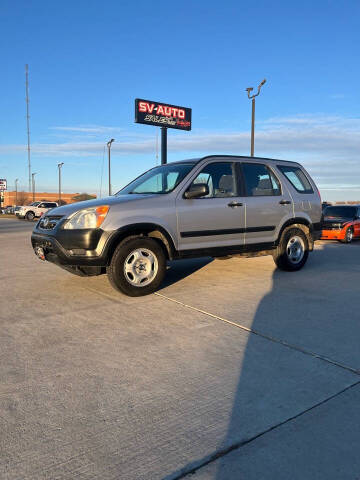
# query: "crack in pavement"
[222,453]
[187,471]
[267,337]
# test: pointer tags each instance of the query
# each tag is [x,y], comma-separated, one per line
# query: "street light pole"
[16,189]
[33,185]
[109,161]
[252,98]
[59,168]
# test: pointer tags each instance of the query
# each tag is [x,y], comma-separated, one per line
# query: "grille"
[332,226]
[49,222]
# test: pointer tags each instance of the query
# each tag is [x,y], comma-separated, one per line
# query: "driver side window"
[220,178]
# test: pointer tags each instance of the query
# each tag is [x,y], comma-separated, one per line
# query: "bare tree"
[22,198]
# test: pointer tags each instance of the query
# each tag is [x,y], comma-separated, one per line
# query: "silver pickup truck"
[214,206]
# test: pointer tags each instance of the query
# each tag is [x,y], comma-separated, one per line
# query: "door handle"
[235,204]
[285,202]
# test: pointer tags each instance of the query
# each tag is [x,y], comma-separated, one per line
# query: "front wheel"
[30,216]
[292,251]
[137,267]
[348,235]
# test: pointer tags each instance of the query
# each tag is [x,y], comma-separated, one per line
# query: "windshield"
[340,212]
[34,204]
[161,179]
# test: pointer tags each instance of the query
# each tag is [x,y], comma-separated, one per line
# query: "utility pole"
[252,98]
[28,122]
[109,148]
[16,189]
[59,168]
[33,185]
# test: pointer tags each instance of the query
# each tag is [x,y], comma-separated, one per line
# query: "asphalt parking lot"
[233,370]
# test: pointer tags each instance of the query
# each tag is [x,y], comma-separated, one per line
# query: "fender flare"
[152,230]
[301,223]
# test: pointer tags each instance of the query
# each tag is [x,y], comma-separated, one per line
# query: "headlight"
[87,218]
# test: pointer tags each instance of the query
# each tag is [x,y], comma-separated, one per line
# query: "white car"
[35,210]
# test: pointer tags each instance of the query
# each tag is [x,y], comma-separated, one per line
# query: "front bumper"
[88,247]
[333,234]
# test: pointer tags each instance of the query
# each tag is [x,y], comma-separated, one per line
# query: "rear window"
[297,178]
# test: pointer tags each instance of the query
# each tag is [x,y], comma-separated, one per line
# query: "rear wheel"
[30,216]
[137,266]
[349,235]
[292,251]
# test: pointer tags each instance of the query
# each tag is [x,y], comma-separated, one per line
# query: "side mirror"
[197,190]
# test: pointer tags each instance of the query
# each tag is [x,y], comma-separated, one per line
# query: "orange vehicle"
[341,222]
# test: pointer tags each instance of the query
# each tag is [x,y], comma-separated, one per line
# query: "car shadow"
[177,270]
[277,382]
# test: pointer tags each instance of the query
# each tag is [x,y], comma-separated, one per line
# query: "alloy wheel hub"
[140,267]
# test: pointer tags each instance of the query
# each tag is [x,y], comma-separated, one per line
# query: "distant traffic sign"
[3,184]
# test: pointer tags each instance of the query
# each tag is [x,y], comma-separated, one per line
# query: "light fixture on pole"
[109,148]
[16,190]
[59,168]
[252,98]
[33,185]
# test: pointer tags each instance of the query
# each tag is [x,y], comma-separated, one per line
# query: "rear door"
[216,220]
[268,203]
[305,193]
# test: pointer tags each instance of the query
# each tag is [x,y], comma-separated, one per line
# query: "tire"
[349,235]
[292,251]
[137,266]
[30,216]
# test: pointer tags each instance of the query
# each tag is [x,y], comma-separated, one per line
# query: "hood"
[67,210]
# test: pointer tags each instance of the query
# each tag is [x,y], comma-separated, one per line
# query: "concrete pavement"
[228,356]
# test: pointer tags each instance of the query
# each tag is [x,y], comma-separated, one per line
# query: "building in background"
[25,198]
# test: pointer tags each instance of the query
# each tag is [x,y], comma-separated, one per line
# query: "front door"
[216,220]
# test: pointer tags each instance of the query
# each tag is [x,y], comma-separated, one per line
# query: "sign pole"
[162,115]
[163,145]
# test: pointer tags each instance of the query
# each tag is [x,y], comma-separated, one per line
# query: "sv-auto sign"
[162,114]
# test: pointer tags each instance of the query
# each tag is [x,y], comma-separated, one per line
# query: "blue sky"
[89,60]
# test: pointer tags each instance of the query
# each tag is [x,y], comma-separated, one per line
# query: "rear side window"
[297,178]
[260,181]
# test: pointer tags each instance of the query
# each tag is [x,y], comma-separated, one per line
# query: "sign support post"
[163,145]
[162,115]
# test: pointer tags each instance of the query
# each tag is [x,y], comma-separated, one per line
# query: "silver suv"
[212,206]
